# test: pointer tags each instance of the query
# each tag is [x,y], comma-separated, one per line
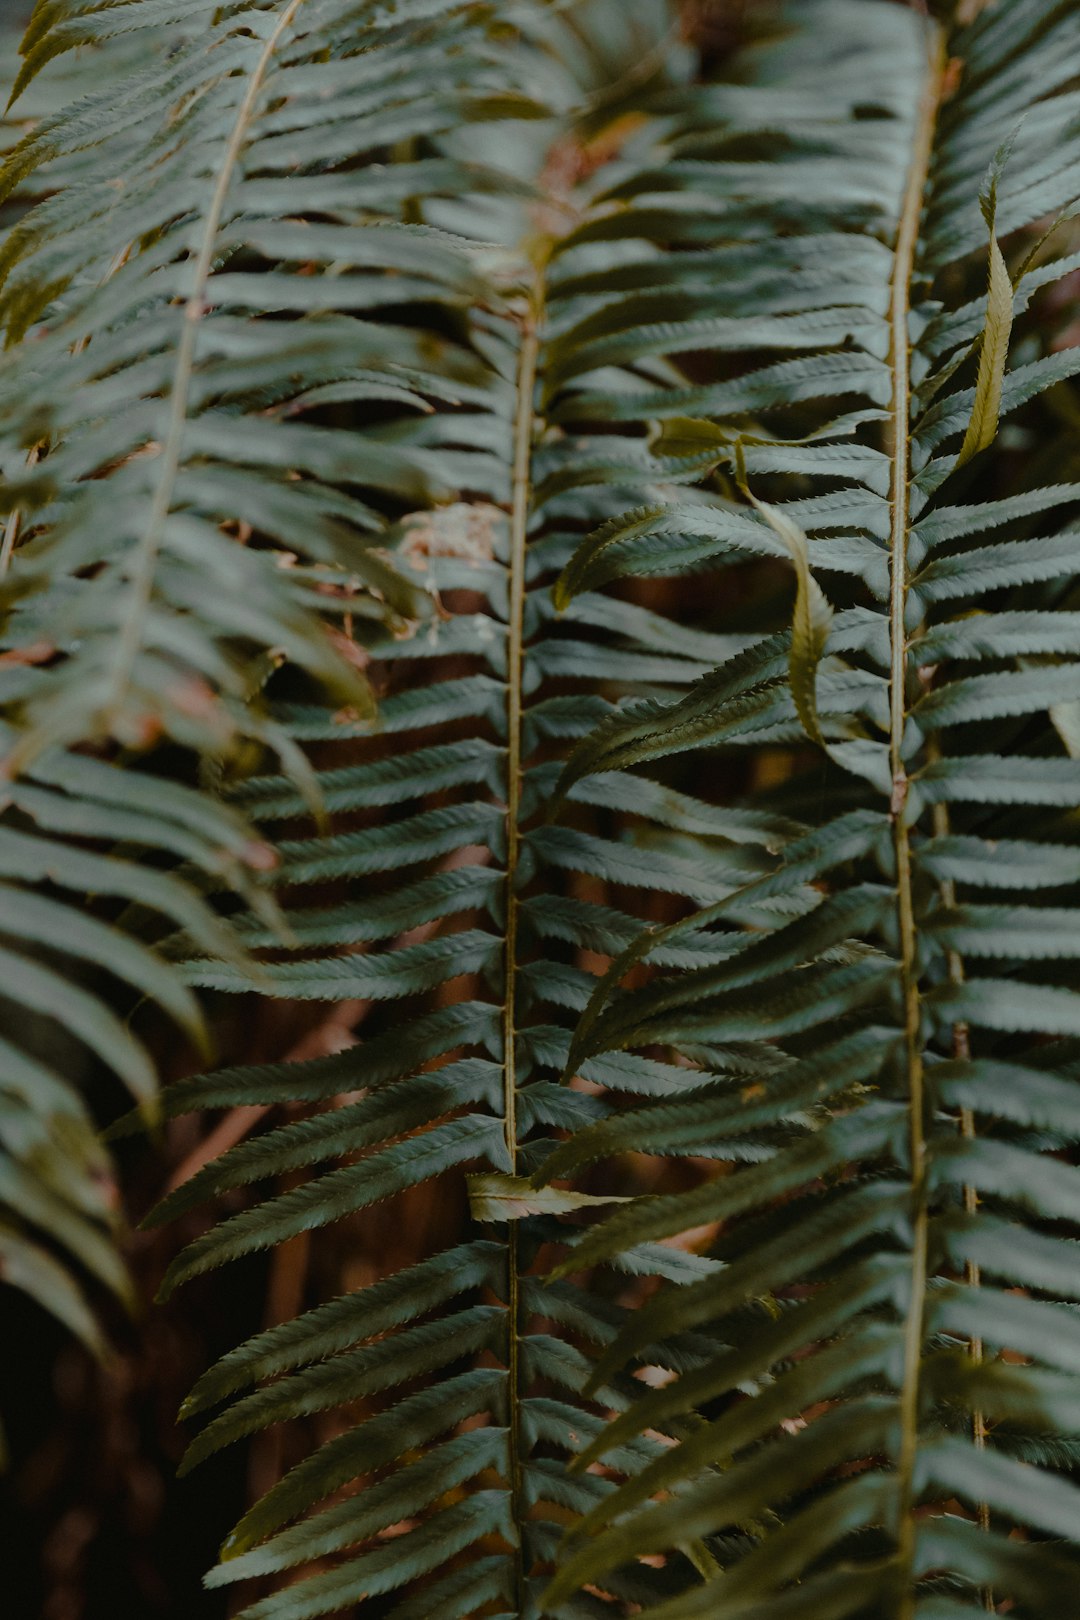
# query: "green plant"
[483,704]
[73,826]
[479,300]
[889,1410]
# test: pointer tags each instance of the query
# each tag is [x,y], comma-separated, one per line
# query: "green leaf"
[297,407]
[994,349]
[813,614]
[416,1420]
[514,1198]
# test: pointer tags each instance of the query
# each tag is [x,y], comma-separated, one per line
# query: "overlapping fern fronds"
[887,1422]
[445,900]
[376,319]
[193,319]
[61,821]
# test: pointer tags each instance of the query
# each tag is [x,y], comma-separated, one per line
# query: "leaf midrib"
[907,243]
[521,489]
[146,553]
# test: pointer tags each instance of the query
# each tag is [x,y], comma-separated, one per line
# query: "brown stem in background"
[961,1047]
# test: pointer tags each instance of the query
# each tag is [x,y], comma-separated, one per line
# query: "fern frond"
[895,1307]
[452,894]
[187,407]
[435,327]
[183,316]
[81,914]
[207,314]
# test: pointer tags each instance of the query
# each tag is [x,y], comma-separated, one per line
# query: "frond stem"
[519,525]
[961,1046]
[143,566]
[524,429]
[899,431]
